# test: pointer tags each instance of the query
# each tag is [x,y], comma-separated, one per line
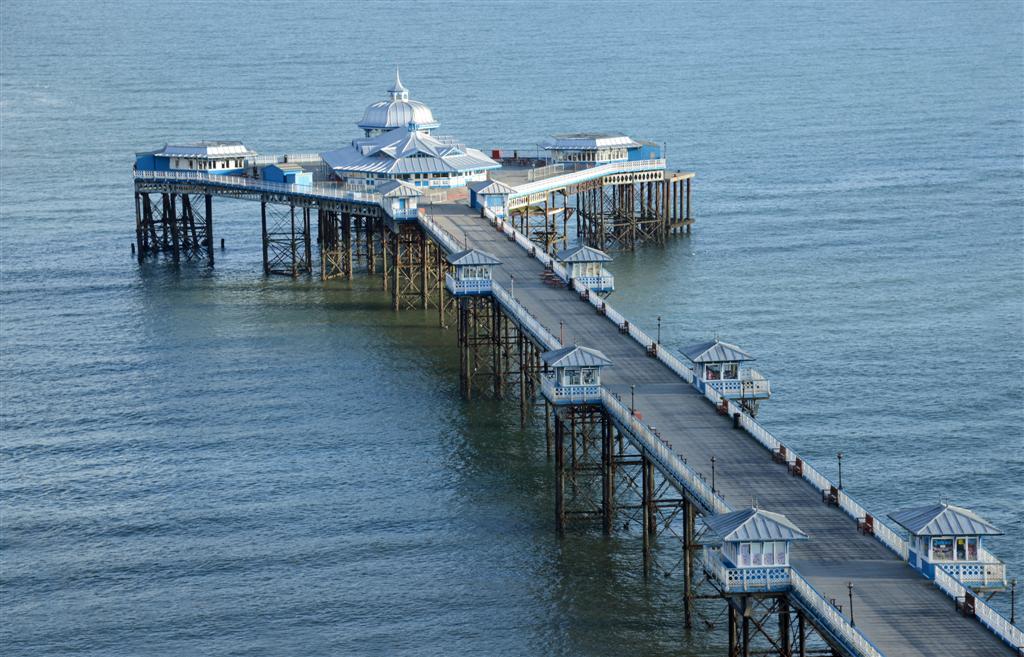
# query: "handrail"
[989,617]
[228,180]
[672,465]
[881,531]
[589,173]
[525,317]
[835,622]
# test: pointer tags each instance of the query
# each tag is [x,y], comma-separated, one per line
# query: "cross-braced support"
[286,239]
[580,433]
[180,225]
[476,326]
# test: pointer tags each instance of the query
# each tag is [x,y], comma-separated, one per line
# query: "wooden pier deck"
[903,614]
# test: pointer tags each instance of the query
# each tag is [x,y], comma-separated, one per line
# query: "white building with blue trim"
[220,157]
[398,145]
[951,537]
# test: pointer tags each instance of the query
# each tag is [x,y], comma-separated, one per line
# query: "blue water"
[207,462]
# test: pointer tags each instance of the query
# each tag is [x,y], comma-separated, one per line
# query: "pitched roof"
[583,254]
[715,351]
[205,149]
[575,356]
[397,189]
[753,525]
[588,141]
[402,151]
[943,520]
[490,186]
[473,257]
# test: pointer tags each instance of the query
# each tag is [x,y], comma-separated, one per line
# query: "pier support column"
[209,229]
[266,238]
[647,509]
[689,544]
[559,476]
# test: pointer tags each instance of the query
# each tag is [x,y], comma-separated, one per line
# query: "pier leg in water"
[559,477]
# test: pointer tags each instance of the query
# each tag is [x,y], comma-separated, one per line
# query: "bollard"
[735,420]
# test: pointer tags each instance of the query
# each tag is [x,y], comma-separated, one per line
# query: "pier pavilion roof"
[753,525]
[473,257]
[715,351]
[397,111]
[575,356]
[206,150]
[588,141]
[490,186]
[583,253]
[405,151]
[397,189]
[943,520]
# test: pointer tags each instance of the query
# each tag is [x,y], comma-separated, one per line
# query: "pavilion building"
[398,145]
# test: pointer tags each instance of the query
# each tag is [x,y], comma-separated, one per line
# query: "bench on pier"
[549,277]
[624,327]
[585,294]
[866,525]
[796,468]
[965,605]
[779,455]
[652,350]
[830,496]
[723,407]
[600,308]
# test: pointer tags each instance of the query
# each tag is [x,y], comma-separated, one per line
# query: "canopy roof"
[943,520]
[490,186]
[404,151]
[583,254]
[753,525]
[473,257]
[580,141]
[715,351]
[205,150]
[397,189]
[397,111]
[575,356]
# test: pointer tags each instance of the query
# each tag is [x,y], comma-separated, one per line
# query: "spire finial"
[398,90]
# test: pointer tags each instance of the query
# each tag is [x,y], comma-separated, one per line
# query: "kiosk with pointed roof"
[575,375]
[491,194]
[748,550]
[719,365]
[399,200]
[950,537]
[586,265]
[471,275]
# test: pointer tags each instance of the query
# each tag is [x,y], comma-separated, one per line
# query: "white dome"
[397,112]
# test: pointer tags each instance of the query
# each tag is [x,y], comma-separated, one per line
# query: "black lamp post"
[849,588]
[659,329]
[632,400]
[712,474]
[839,457]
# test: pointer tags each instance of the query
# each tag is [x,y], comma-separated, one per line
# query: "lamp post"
[849,589]
[712,474]
[632,399]
[839,457]
[512,286]
[659,329]
[561,332]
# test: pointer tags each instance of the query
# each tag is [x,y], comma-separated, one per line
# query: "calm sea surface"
[208,462]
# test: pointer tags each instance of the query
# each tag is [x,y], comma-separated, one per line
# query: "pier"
[640,439]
